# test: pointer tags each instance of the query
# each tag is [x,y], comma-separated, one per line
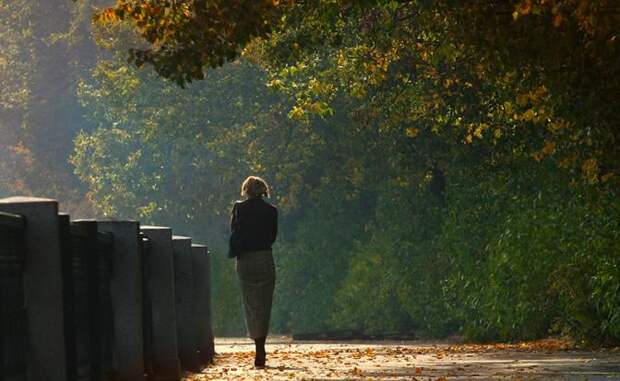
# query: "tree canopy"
[441,166]
[184,38]
[539,64]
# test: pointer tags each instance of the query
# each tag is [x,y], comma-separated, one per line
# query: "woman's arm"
[234,218]
[274,232]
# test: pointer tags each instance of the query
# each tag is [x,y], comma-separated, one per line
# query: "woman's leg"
[256,272]
[261,355]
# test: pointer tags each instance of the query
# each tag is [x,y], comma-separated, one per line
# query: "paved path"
[410,360]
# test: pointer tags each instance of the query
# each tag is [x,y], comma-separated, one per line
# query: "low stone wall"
[98,300]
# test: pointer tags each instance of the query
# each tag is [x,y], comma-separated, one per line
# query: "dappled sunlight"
[291,360]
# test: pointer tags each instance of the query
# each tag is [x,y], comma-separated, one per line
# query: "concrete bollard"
[126,299]
[184,286]
[86,314]
[147,310]
[164,351]
[104,263]
[12,319]
[202,302]
[66,249]
[105,242]
[93,320]
[43,287]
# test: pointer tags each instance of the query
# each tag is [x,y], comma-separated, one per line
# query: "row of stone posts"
[98,300]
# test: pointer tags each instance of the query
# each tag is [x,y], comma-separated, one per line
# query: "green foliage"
[353,110]
[347,108]
[15,66]
[228,318]
[312,267]
[44,49]
[535,267]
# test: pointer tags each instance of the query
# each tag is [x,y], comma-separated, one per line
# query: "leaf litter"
[287,360]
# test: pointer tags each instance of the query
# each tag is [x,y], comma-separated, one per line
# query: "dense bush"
[510,260]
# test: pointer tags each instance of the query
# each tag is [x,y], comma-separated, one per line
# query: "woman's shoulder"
[272,207]
[244,204]
[237,205]
[255,203]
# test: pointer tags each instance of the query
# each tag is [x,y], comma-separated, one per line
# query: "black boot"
[261,355]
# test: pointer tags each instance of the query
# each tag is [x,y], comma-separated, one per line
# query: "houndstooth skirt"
[257,275]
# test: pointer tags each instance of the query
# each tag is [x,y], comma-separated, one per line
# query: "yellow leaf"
[480,129]
[296,113]
[525,7]
[412,132]
[478,133]
[522,99]
[529,115]
[549,148]
[556,126]
[606,177]
[589,169]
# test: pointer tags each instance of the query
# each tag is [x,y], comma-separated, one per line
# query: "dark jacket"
[257,222]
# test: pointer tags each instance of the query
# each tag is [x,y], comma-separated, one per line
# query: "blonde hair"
[254,187]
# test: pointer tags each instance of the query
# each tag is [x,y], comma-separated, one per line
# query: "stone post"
[184,286]
[86,314]
[164,351]
[43,287]
[126,294]
[12,314]
[68,284]
[202,302]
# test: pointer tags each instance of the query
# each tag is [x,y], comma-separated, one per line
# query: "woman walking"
[254,226]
